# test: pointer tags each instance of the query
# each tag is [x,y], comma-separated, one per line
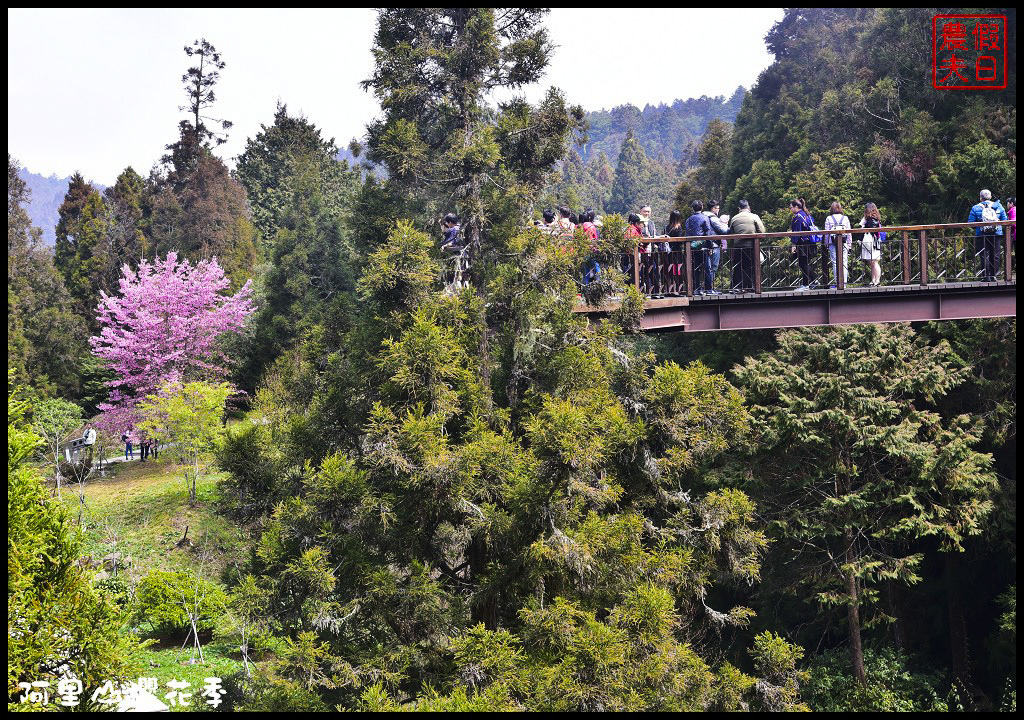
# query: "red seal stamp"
[969,52]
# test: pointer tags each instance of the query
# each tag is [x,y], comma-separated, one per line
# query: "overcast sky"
[97,90]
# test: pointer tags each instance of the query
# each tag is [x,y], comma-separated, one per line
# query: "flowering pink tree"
[165,325]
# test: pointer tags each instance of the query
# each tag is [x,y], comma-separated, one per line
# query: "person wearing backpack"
[803,245]
[698,225]
[838,244]
[987,237]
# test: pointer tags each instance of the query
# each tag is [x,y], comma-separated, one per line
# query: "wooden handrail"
[841,231]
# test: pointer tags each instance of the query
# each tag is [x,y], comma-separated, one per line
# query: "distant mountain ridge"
[662,130]
[47,194]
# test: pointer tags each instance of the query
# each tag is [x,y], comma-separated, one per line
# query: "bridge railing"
[912,255]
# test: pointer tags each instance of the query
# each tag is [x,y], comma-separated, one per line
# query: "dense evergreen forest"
[378,489]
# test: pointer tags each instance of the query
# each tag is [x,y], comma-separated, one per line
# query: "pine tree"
[438,135]
[633,178]
[126,201]
[267,171]
[852,465]
[69,225]
[46,341]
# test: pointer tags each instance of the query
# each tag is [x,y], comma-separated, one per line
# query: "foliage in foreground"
[892,684]
[530,547]
[57,624]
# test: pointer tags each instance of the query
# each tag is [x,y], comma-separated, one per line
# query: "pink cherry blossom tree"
[165,325]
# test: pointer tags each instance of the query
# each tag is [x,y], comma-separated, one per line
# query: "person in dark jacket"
[452,245]
[451,230]
[802,245]
[698,225]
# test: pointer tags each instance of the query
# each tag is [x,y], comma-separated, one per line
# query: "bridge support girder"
[810,309]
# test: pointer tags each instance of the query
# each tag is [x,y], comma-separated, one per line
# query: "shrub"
[170,601]
[893,684]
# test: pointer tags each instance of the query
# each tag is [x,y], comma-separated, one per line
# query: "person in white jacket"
[838,244]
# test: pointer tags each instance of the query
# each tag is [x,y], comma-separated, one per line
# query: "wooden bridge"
[929,272]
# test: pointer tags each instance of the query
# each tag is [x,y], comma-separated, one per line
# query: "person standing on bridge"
[698,225]
[838,244]
[987,237]
[634,231]
[802,245]
[563,225]
[549,220]
[675,249]
[717,228]
[744,222]
[591,268]
[1011,215]
[870,243]
[648,228]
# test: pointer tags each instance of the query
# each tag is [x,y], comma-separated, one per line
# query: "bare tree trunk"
[853,614]
[959,656]
[485,610]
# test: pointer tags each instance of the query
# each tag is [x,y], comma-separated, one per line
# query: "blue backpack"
[812,227]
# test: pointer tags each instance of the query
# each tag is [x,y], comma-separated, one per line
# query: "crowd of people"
[661,267]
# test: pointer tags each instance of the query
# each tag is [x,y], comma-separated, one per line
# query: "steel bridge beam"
[808,309]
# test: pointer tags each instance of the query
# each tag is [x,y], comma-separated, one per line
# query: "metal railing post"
[688,252]
[906,257]
[923,236]
[1007,254]
[636,267]
[841,261]
[757,265]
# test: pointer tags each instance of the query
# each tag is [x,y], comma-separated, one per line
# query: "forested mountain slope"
[847,111]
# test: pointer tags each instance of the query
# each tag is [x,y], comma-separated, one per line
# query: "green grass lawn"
[141,510]
[173,663]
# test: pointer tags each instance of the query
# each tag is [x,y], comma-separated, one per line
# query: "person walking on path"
[987,237]
[802,245]
[744,222]
[129,453]
[838,244]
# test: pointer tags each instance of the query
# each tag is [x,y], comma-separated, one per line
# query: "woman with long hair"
[675,251]
[870,247]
